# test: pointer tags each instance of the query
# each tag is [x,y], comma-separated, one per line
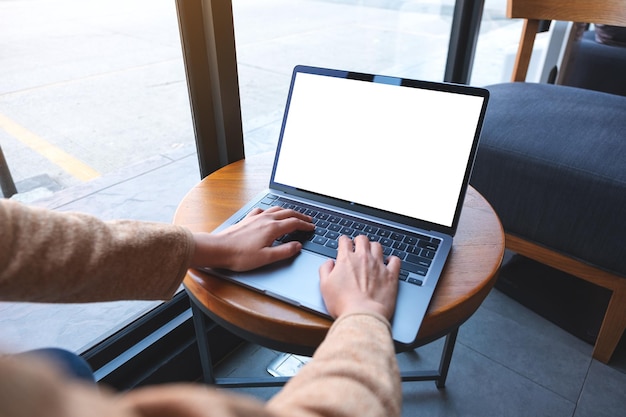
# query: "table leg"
[200,326]
[441,374]
[200,323]
[446,357]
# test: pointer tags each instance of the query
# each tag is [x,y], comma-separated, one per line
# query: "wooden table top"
[469,275]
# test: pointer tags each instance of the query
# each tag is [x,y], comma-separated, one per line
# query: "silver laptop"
[369,154]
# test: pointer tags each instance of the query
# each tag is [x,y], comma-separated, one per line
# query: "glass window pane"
[400,38]
[497,46]
[94,117]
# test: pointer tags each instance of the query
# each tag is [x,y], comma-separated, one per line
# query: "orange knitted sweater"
[59,257]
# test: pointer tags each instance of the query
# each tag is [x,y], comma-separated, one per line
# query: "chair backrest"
[607,12]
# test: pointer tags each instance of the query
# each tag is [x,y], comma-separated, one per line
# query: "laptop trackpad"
[295,281]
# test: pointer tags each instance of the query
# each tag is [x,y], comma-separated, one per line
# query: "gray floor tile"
[478,386]
[424,358]
[604,393]
[249,361]
[528,345]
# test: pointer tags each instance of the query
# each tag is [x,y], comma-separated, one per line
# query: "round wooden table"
[469,275]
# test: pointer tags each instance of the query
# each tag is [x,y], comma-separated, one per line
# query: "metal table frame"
[202,322]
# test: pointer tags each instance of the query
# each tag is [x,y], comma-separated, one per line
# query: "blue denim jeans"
[72,364]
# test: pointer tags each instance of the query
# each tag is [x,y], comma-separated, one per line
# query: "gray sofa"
[552,162]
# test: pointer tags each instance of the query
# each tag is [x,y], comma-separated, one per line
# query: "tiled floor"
[508,360]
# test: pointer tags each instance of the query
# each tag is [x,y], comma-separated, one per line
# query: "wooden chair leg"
[613,325]
[614,322]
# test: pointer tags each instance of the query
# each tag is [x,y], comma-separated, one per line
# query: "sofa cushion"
[595,66]
[552,162]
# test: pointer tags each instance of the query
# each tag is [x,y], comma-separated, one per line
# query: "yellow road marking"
[58,156]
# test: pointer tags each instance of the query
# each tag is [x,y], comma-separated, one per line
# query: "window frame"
[158,347]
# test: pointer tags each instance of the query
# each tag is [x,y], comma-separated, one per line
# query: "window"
[94,117]
[399,38]
[94,110]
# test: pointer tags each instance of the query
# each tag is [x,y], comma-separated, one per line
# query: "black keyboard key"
[332,235]
[347,231]
[346,222]
[415,281]
[428,245]
[417,269]
[319,240]
[322,223]
[295,236]
[400,254]
[397,236]
[333,245]
[415,250]
[358,226]
[325,250]
[371,229]
[386,242]
[418,260]
[320,231]
[334,227]
[399,245]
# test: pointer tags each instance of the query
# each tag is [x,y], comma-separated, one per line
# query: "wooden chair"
[611,12]
[526,124]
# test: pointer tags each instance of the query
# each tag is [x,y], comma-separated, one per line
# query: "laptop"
[369,154]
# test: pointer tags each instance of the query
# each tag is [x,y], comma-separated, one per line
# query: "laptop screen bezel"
[351,206]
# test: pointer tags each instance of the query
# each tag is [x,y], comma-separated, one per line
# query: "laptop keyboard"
[415,250]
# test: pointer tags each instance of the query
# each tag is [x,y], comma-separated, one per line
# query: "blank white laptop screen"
[400,149]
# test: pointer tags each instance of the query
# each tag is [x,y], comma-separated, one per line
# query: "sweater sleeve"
[47,256]
[353,373]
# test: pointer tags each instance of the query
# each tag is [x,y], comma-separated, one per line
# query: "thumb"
[280,252]
[326,268]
